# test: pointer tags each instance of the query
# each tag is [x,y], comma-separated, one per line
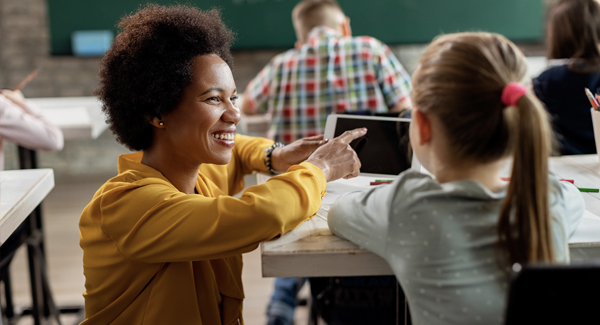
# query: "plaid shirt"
[329,73]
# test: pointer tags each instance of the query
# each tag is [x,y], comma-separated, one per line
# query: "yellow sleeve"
[247,157]
[248,153]
[151,222]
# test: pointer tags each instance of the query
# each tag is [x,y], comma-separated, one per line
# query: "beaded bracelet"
[267,157]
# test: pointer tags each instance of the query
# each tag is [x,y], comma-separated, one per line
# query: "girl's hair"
[460,80]
[574,33]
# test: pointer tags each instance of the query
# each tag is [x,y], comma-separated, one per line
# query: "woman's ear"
[157,122]
[423,126]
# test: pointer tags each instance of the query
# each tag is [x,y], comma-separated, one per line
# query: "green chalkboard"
[267,23]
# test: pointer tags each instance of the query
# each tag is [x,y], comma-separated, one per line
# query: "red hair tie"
[512,92]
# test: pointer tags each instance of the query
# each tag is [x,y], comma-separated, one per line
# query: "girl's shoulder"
[420,186]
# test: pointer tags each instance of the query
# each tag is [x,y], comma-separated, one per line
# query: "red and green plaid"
[329,73]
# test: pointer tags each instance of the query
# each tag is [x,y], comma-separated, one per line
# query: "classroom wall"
[24,46]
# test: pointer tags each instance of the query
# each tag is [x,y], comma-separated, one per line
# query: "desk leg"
[10,308]
[402,310]
[43,302]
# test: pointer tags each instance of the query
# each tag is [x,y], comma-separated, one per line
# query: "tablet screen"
[385,149]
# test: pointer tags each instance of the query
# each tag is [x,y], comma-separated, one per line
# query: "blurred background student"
[22,123]
[328,71]
[573,46]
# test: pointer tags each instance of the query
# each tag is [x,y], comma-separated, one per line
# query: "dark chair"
[554,294]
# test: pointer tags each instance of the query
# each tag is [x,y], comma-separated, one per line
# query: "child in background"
[451,240]
[573,46]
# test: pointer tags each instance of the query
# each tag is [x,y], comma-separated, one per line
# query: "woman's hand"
[294,153]
[336,158]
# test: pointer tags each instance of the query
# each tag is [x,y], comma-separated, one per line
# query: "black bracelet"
[267,157]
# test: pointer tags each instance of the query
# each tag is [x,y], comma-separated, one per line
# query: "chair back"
[554,294]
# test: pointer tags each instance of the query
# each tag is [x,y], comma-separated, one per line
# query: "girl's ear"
[423,126]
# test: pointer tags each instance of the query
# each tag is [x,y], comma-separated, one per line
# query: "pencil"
[591,190]
[27,79]
[379,183]
[591,98]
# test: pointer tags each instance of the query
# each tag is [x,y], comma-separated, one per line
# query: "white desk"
[77,117]
[536,65]
[312,250]
[20,192]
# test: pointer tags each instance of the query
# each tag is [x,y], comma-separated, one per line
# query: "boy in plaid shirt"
[328,71]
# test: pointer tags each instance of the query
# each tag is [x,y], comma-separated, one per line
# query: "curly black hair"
[149,63]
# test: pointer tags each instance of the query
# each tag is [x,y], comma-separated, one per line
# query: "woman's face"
[203,124]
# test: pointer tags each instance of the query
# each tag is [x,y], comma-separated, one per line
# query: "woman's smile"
[224,138]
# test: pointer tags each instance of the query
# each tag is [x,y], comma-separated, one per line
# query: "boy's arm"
[258,91]
[393,80]
[245,106]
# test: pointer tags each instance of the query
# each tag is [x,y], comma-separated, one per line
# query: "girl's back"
[441,241]
[452,240]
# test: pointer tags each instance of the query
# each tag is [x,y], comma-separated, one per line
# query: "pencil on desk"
[379,183]
[27,79]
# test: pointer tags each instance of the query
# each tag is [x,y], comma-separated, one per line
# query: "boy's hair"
[309,14]
[574,33]
[460,79]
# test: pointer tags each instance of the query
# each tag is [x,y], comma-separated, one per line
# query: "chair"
[554,294]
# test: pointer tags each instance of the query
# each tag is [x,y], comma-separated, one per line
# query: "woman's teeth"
[223,136]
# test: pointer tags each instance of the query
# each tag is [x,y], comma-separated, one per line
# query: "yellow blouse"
[154,255]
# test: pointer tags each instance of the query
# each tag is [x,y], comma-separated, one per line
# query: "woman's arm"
[25,126]
[151,222]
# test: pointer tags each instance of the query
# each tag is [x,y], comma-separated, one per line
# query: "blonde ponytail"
[527,237]
[460,79]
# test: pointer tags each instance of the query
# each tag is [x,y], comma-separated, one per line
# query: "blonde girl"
[451,239]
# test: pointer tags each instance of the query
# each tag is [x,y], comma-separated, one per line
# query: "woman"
[162,241]
[574,38]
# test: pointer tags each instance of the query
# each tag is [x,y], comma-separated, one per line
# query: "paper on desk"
[588,230]
[337,188]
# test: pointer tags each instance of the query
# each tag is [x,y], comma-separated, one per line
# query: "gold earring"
[161,123]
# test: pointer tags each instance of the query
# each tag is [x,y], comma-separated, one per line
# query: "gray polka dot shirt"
[440,241]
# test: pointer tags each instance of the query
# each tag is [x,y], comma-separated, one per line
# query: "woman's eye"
[233,99]
[213,99]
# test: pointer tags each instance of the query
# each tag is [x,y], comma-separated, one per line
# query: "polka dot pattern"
[441,242]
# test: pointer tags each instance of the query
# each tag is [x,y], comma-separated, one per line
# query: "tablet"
[385,149]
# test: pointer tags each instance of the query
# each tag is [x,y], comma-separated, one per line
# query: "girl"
[573,46]
[451,240]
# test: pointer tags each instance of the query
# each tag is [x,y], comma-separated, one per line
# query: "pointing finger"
[350,135]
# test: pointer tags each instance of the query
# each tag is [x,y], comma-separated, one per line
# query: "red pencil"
[381,182]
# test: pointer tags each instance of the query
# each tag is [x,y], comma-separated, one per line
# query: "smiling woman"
[162,241]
